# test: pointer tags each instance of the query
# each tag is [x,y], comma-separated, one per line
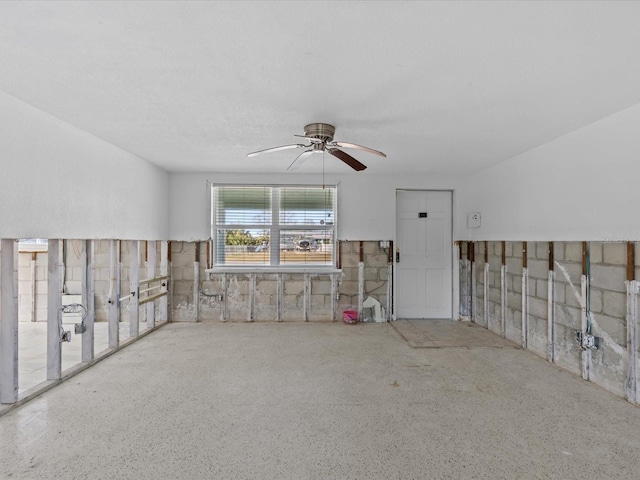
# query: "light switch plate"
[474,220]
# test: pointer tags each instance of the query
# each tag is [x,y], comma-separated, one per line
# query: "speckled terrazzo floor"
[319,401]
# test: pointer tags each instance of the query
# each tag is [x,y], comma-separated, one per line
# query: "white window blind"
[274,225]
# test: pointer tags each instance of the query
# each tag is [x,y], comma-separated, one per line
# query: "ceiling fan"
[320,138]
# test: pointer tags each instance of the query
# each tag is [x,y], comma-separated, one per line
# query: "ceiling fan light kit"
[320,136]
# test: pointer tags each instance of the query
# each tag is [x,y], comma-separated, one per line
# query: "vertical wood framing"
[472,284]
[88,300]
[134,288]
[485,295]
[114,293]
[360,288]
[196,283]
[151,273]
[632,387]
[334,294]
[34,256]
[54,305]
[8,321]
[525,297]
[225,291]
[503,290]
[389,312]
[252,296]
[280,296]
[307,296]
[584,290]
[163,310]
[551,310]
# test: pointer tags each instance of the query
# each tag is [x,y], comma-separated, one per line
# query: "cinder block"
[349,288]
[514,265]
[614,253]
[595,252]
[568,316]
[538,268]
[573,295]
[542,289]
[608,277]
[376,260]
[573,251]
[350,260]
[345,246]
[596,300]
[508,249]
[612,326]
[371,247]
[370,273]
[293,287]
[267,287]
[321,287]
[571,270]
[541,250]
[375,286]
[514,301]
[538,308]
[615,304]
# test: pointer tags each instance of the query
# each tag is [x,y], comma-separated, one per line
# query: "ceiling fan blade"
[300,159]
[359,147]
[311,139]
[348,159]
[277,149]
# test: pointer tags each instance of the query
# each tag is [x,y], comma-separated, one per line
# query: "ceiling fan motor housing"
[321,131]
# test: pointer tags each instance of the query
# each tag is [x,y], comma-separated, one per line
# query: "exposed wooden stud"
[307,297]
[88,300]
[361,251]
[151,272]
[334,293]
[472,283]
[360,287]
[631,261]
[584,258]
[252,296]
[586,354]
[632,385]
[525,297]
[280,294]
[225,291]
[486,252]
[54,306]
[339,264]
[34,256]
[196,283]
[524,255]
[8,321]
[551,310]
[503,290]
[114,294]
[134,288]
[164,271]
[485,293]
[209,246]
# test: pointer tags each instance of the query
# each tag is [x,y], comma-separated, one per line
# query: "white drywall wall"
[366,203]
[582,186]
[57,181]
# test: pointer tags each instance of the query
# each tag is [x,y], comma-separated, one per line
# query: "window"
[274,225]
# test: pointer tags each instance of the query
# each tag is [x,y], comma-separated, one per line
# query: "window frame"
[275,229]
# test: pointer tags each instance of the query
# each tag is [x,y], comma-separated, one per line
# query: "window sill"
[273,269]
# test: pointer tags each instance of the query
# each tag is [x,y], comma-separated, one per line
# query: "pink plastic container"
[350,316]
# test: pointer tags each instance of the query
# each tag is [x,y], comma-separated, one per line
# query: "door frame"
[455,260]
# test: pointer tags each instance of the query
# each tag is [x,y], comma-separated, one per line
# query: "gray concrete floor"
[322,401]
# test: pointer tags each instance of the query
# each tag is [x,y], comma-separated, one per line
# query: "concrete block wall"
[513,312]
[253,295]
[26,302]
[605,304]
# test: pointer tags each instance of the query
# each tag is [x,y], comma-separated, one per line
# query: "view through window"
[274,225]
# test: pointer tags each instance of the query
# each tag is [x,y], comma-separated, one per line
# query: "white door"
[423,254]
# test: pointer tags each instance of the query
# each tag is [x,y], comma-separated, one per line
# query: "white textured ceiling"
[440,87]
